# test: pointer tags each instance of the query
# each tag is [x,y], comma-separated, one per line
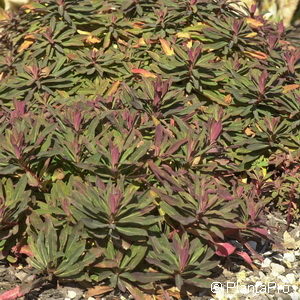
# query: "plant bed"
[144,142]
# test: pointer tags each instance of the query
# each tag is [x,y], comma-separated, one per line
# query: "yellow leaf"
[244,178]
[260,130]
[254,23]
[122,42]
[143,72]
[251,34]
[28,7]
[161,212]
[186,35]
[26,44]
[45,71]
[114,88]
[141,42]
[58,174]
[92,40]
[249,132]
[3,15]
[228,99]
[166,47]
[29,36]
[257,54]
[140,143]
[155,121]
[196,160]
[189,44]
[153,194]
[290,87]
[83,32]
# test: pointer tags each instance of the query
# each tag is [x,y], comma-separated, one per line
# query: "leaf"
[107,264]
[92,40]
[290,87]
[12,294]
[32,180]
[114,88]
[25,45]
[224,249]
[166,47]
[251,35]
[135,292]
[143,72]
[254,22]
[25,249]
[228,99]
[257,54]
[245,257]
[98,290]
[186,35]
[249,132]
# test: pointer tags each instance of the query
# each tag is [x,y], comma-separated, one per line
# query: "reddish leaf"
[98,290]
[215,128]
[224,249]
[114,200]
[12,294]
[143,72]
[115,154]
[245,256]
[261,231]
[262,80]
[22,250]
[77,118]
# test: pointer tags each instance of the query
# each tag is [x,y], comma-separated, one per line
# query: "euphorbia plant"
[140,123]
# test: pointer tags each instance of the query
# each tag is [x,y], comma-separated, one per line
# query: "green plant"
[148,136]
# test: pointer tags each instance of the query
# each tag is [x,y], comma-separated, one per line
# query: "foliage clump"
[139,138]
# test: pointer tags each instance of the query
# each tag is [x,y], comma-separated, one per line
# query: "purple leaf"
[160,89]
[19,109]
[115,154]
[77,118]
[193,54]
[114,200]
[215,129]
[262,80]
[237,26]
[224,249]
[245,257]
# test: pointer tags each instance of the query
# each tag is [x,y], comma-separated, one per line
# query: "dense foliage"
[140,137]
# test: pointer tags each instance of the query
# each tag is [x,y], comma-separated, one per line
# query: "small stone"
[268,253]
[261,275]
[277,269]
[282,279]
[67,298]
[91,298]
[71,294]
[290,257]
[253,244]
[294,296]
[295,287]
[266,263]
[290,278]
[21,275]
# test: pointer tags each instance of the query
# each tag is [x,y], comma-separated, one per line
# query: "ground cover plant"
[139,138]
